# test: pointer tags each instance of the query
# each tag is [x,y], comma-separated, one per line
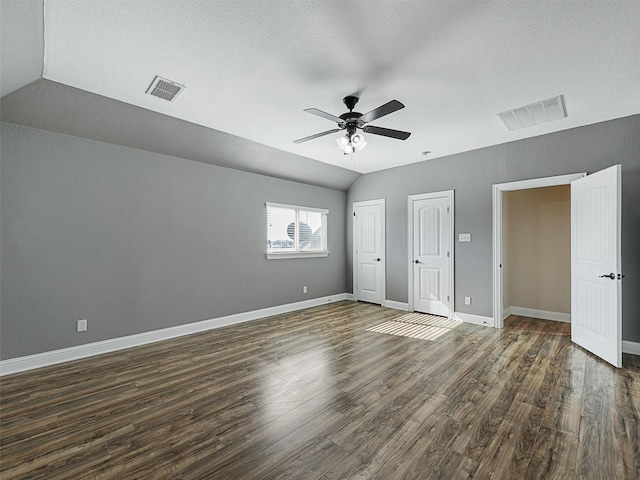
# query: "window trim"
[285,255]
[281,255]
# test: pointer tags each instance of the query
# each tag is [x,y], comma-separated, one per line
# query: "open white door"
[368,255]
[596,290]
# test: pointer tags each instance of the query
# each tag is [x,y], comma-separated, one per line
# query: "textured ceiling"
[252,66]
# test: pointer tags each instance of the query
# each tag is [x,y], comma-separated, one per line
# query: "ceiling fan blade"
[381,111]
[328,116]
[311,137]
[386,132]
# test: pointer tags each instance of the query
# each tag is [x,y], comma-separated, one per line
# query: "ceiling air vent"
[534,114]
[165,89]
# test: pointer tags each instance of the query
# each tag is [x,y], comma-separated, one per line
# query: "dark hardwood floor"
[314,395]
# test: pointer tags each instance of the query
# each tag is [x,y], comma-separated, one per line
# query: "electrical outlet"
[304,289]
[467,300]
[464,237]
[81,326]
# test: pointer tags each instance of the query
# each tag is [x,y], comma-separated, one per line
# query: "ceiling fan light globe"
[358,141]
[343,142]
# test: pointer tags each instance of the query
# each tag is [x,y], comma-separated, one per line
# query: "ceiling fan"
[351,121]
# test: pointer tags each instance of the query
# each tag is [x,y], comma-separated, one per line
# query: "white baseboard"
[506,313]
[397,305]
[385,303]
[475,319]
[29,362]
[543,314]
[630,347]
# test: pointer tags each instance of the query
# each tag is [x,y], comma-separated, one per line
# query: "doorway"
[536,253]
[498,231]
[596,290]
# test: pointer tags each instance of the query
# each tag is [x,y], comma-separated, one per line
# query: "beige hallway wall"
[537,248]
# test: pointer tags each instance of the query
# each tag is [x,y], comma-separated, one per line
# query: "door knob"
[612,276]
[377,259]
[418,261]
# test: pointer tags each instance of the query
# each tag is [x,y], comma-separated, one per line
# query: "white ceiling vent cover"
[165,89]
[534,114]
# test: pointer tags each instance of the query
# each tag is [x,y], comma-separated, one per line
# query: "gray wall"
[136,241]
[472,174]
[21,43]
[21,47]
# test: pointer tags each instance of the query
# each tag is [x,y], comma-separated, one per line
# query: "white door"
[369,262]
[596,290]
[432,250]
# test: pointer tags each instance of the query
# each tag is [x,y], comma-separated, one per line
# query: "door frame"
[383,263]
[498,190]
[411,199]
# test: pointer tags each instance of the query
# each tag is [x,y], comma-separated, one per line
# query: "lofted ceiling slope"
[59,108]
[251,67]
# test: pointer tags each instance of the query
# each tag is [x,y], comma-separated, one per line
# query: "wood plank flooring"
[314,395]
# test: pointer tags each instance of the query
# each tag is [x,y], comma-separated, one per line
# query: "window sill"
[285,255]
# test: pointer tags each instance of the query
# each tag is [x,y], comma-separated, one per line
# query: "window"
[296,231]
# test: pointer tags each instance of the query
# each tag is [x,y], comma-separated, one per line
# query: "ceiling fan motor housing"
[352,119]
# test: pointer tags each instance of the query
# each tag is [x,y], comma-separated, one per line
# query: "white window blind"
[296,231]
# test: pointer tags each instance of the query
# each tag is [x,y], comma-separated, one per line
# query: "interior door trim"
[411,199]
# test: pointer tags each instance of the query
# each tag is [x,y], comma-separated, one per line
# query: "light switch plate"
[464,237]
